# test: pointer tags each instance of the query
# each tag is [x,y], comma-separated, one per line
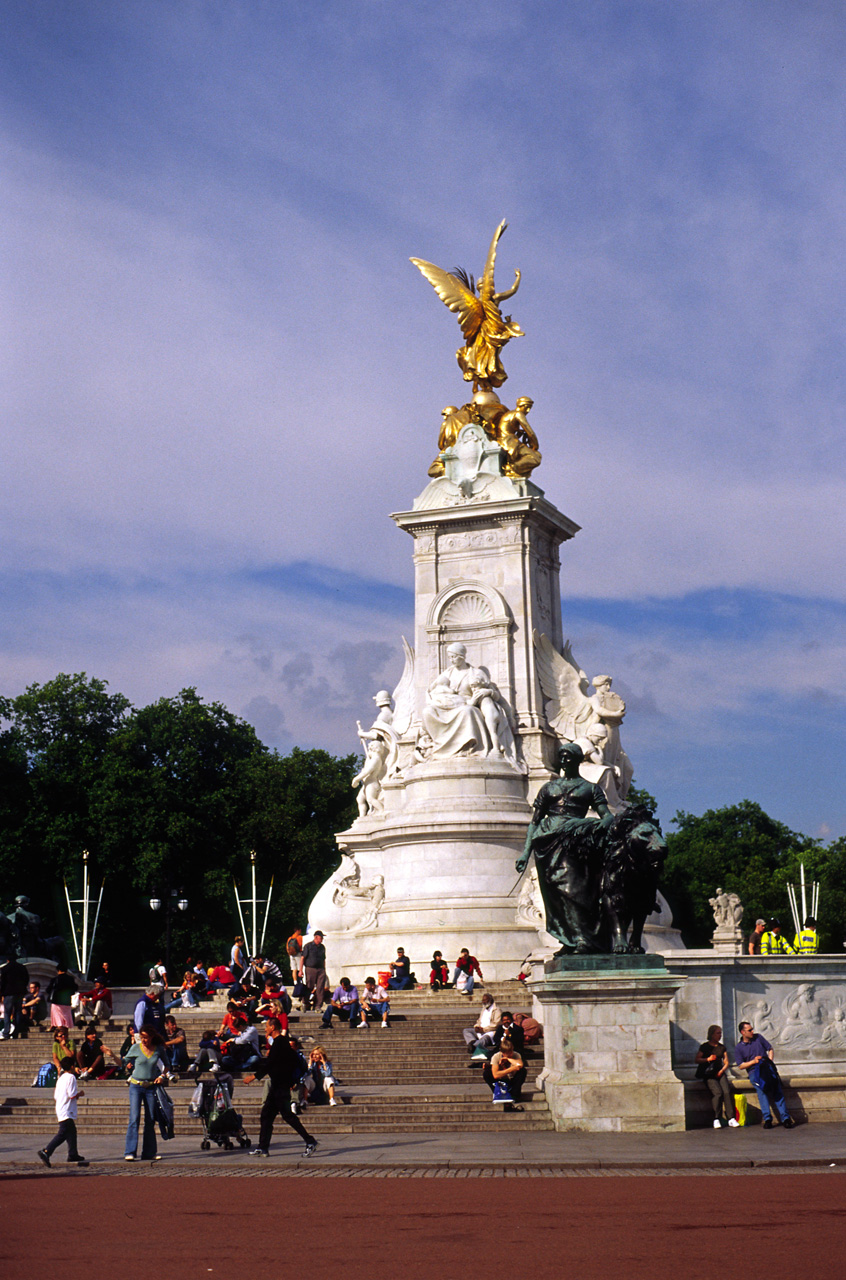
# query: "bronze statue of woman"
[569,849]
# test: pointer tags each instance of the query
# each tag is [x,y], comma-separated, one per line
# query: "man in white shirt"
[66,1093]
[482,1033]
[374,999]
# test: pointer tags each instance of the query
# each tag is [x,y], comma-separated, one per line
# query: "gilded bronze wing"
[457,296]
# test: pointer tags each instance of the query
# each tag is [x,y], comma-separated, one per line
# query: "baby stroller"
[212,1103]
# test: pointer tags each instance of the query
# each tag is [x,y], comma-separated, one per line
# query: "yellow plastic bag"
[740,1102]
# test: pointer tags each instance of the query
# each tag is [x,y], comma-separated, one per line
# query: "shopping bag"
[740,1105]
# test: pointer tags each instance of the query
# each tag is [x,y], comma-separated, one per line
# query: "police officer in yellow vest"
[773,944]
[807,941]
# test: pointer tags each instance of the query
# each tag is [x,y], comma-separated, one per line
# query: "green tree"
[171,796]
[299,802]
[51,753]
[738,848]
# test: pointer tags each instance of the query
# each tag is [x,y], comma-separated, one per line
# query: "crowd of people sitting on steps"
[154,1049]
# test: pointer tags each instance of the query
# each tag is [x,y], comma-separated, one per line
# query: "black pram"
[212,1103]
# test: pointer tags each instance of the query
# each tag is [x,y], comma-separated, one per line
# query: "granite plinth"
[607,1063]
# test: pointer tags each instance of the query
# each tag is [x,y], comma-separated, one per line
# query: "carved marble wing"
[564,686]
[456,295]
[404,694]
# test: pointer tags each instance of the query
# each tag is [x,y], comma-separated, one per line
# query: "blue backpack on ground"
[46,1078]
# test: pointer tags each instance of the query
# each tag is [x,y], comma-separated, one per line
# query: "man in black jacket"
[284,1067]
[314,964]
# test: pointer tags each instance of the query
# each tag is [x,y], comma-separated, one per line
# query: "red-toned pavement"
[416,1228]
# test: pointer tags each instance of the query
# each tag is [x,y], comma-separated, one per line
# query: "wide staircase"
[414,1077]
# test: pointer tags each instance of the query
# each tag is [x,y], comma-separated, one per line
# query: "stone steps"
[408,1114]
[413,1078]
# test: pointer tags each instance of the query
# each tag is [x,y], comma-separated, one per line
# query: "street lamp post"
[175,901]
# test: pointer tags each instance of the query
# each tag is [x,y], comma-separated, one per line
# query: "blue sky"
[220,372]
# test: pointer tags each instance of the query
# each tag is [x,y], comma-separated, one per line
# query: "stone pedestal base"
[607,1044]
[728,942]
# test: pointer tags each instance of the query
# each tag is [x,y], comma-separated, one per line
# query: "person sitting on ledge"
[175,1047]
[97,1002]
[438,973]
[482,1031]
[400,972]
[712,1066]
[219,977]
[509,1029]
[465,967]
[34,1007]
[344,1004]
[243,1051]
[506,1065]
[89,1055]
[208,1052]
[754,1054]
[374,1000]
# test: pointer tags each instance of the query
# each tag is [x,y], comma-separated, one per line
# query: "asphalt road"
[395,1228]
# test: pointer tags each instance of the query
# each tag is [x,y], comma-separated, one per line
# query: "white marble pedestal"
[607,1043]
[447,861]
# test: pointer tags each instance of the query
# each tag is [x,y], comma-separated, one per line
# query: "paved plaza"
[521,1154]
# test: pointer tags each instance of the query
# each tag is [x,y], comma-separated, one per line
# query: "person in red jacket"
[469,965]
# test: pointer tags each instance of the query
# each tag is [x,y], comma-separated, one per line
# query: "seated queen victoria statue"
[465,713]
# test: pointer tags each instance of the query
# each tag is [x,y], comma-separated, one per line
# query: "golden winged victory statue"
[486,332]
[485,328]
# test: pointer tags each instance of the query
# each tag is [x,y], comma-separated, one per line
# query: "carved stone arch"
[476,615]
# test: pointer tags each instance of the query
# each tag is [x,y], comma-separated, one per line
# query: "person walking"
[754,1054]
[147,1068]
[66,1093]
[284,1067]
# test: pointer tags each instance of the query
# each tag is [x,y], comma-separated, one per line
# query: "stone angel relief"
[593,721]
[381,742]
[483,325]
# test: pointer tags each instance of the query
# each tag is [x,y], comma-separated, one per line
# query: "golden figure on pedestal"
[482,323]
[486,332]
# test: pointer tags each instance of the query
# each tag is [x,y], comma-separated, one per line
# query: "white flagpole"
[253,872]
[240,912]
[85,857]
[266,914]
[73,929]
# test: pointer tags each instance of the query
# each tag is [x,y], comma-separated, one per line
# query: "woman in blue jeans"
[146,1068]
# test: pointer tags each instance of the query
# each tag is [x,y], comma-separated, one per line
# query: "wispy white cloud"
[218,358]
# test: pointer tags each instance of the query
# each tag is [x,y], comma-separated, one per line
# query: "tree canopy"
[168,797]
[742,850]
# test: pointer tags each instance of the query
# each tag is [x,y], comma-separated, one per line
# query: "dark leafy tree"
[738,848]
[51,754]
[171,796]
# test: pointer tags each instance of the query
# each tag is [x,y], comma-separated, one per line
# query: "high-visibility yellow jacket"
[807,942]
[774,944]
